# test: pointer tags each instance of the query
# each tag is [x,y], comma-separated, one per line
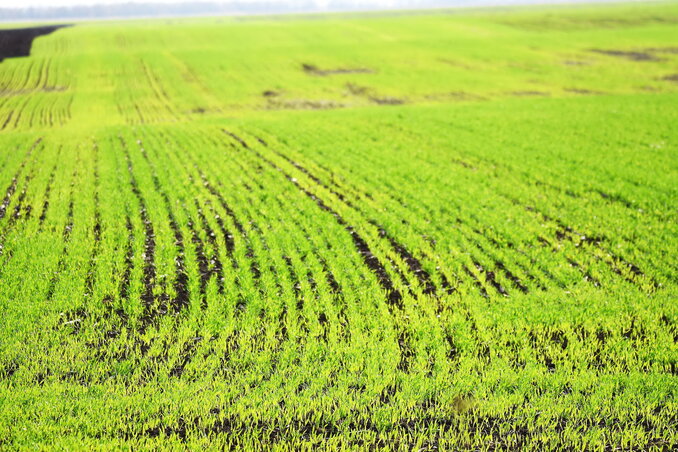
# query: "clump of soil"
[17,42]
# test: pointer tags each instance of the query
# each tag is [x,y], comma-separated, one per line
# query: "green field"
[435,230]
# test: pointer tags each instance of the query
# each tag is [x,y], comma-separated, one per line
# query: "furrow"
[48,191]
[12,186]
[216,266]
[182,295]
[149,272]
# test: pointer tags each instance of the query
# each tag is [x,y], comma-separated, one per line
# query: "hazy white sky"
[320,3]
[375,3]
[26,3]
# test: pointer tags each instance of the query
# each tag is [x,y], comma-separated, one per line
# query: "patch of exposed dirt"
[589,23]
[270,93]
[372,96]
[454,95]
[315,70]
[21,92]
[671,78]
[589,92]
[387,100]
[670,50]
[17,42]
[303,104]
[628,54]
[357,90]
[576,63]
[529,93]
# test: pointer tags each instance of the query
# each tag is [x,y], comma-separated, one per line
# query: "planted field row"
[240,261]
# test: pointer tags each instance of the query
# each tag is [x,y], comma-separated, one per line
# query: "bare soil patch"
[670,50]
[372,96]
[303,104]
[588,92]
[454,95]
[529,93]
[628,54]
[314,70]
[576,63]
[588,23]
[17,42]
[387,100]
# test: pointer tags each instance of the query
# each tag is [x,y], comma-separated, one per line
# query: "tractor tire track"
[424,278]
[393,295]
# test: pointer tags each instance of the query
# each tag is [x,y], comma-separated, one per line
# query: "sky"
[27,3]
[370,3]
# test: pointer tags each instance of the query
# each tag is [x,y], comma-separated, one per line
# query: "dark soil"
[631,55]
[528,93]
[387,100]
[369,93]
[394,297]
[302,104]
[314,70]
[453,95]
[583,91]
[670,50]
[357,90]
[412,262]
[17,42]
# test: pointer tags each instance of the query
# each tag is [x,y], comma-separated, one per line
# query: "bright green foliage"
[435,230]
